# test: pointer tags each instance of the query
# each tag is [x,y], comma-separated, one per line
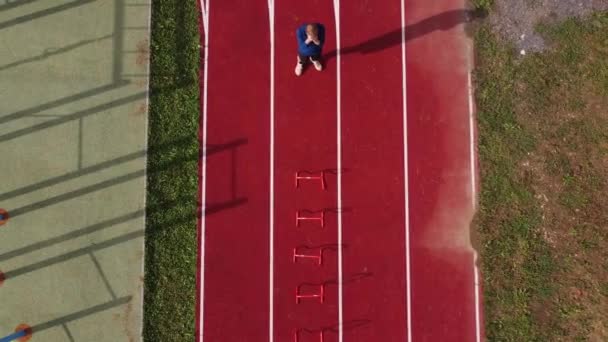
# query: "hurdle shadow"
[334,247]
[353,278]
[330,210]
[348,325]
[335,328]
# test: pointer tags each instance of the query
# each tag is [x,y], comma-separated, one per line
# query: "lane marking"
[205,16]
[477,303]
[271,199]
[472,142]
[474,197]
[406,180]
[339,162]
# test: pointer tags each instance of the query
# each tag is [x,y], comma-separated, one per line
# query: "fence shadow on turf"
[39,14]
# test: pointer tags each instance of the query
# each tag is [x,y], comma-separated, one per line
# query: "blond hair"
[312,29]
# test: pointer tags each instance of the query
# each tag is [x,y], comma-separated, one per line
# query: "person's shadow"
[443,21]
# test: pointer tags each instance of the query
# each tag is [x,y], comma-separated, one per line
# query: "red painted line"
[374,184]
[305,123]
[441,210]
[235,297]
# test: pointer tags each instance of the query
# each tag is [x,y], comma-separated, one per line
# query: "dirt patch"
[565,173]
[128,314]
[139,111]
[143,53]
[516,20]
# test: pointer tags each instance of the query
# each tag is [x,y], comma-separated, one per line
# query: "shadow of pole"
[43,13]
[440,22]
[124,178]
[150,210]
[72,235]
[118,41]
[75,116]
[13,4]
[161,148]
[73,254]
[62,101]
[81,314]
[53,52]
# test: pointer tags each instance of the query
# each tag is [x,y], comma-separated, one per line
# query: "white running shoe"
[299,68]
[317,65]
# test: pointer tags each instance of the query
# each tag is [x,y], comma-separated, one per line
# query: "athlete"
[310,45]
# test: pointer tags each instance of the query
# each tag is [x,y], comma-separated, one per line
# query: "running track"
[390,120]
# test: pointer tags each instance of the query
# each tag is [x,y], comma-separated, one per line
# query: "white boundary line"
[472,143]
[339,162]
[406,180]
[477,318]
[474,198]
[271,196]
[205,16]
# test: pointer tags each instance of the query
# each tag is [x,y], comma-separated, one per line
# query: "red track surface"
[407,196]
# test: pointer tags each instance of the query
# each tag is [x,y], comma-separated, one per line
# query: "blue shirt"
[310,49]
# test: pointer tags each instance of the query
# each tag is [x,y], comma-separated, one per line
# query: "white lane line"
[271,199]
[474,196]
[472,143]
[406,180]
[339,162]
[205,16]
[477,308]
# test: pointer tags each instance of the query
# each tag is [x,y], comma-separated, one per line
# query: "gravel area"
[515,20]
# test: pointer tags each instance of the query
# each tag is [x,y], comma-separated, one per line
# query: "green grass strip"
[170,265]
